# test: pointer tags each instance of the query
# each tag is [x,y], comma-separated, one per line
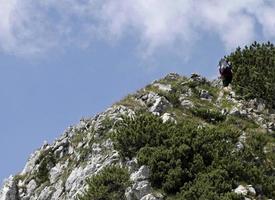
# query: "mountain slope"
[146,140]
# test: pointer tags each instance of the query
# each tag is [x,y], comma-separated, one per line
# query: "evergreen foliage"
[108,184]
[208,115]
[46,161]
[190,161]
[254,71]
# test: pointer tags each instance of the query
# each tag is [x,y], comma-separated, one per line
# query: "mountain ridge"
[60,170]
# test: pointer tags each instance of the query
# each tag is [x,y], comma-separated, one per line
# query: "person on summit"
[225,69]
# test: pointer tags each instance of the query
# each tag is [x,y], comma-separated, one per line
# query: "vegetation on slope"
[254,71]
[190,161]
[109,184]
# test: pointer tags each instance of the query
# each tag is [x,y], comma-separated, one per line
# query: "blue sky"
[64,60]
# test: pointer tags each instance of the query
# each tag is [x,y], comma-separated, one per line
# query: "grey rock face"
[141,174]
[141,188]
[31,186]
[138,190]
[10,190]
[67,171]
[157,104]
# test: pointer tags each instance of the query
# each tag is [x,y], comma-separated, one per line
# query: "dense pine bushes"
[191,161]
[108,184]
[254,71]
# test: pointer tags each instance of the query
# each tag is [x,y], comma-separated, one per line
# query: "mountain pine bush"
[191,161]
[108,184]
[254,71]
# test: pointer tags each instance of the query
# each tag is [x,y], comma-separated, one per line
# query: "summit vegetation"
[254,71]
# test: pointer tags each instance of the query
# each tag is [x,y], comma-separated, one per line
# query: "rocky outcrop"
[246,191]
[141,187]
[9,190]
[156,103]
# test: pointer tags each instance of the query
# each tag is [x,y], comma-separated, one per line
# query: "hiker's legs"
[226,81]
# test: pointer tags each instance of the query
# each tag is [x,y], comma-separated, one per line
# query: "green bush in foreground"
[108,184]
[188,161]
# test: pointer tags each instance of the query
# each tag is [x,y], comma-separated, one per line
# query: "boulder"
[241,190]
[167,117]
[251,190]
[31,186]
[140,175]
[157,104]
[140,189]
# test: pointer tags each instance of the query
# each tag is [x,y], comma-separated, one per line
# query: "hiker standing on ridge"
[225,70]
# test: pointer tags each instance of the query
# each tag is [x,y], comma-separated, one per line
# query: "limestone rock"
[138,190]
[157,104]
[241,190]
[251,190]
[162,87]
[9,190]
[31,186]
[141,174]
[150,197]
[167,117]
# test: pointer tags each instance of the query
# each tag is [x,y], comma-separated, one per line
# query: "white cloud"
[35,26]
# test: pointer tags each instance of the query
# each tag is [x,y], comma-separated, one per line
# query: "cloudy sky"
[67,59]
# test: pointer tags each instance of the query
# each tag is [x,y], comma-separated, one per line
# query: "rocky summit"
[177,138]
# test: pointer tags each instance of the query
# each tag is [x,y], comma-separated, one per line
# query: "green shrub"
[108,184]
[46,161]
[195,162]
[214,185]
[132,134]
[209,115]
[254,71]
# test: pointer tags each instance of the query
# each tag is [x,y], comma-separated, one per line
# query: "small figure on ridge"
[225,69]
